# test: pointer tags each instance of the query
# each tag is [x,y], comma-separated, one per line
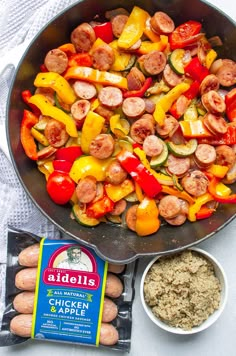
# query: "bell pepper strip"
[122,59]
[141,92]
[165,102]
[58,83]
[26,95]
[104,31]
[43,68]
[147,221]
[139,173]
[134,27]
[138,192]
[194,129]
[48,109]
[218,170]
[99,208]
[27,140]
[119,127]
[229,138]
[80,59]
[68,48]
[199,202]
[210,58]
[39,137]
[196,70]
[154,37]
[89,165]
[147,46]
[62,165]
[179,194]
[204,213]
[69,154]
[96,76]
[230,101]
[223,190]
[212,188]
[184,34]
[179,107]
[93,125]
[193,91]
[119,191]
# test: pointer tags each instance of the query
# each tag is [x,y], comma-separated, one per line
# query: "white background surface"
[147,339]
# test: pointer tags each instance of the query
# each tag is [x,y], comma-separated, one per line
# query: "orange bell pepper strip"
[96,76]
[100,207]
[147,221]
[180,194]
[68,48]
[27,140]
[154,37]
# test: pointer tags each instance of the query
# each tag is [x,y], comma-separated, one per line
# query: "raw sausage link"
[102,146]
[133,107]
[24,302]
[114,286]
[170,125]
[110,310]
[80,109]
[25,279]
[170,77]
[213,102]
[29,256]
[161,23]
[141,129]
[103,57]
[178,220]
[135,79]
[56,134]
[115,173]
[169,206]
[225,156]
[118,23]
[227,73]
[153,62]
[83,37]
[178,165]
[56,61]
[205,155]
[119,207]
[108,334]
[21,325]
[216,124]
[152,146]
[195,183]
[84,90]
[114,268]
[86,189]
[210,82]
[131,217]
[110,97]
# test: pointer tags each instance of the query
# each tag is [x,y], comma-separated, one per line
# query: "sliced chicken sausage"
[178,165]
[133,107]
[225,156]
[86,189]
[210,82]
[83,37]
[177,220]
[161,23]
[56,61]
[195,183]
[102,146]
[103,57]
[205,155]
[170,125]
[226,72]
[216,124]
[118,23]
[131,217]
[213,102]
[110,97]
[55,132]
[152,146]
[119,207]
[115,173]
[141,129]
[84,90]
[170,77]
[79,109]
[169,206]
[153,63]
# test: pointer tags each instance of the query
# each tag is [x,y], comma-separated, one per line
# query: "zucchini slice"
[175,60]
[183,150]
[82,218]
[161,158]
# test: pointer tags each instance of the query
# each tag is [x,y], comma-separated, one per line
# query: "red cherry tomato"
[185,34]
[60,187]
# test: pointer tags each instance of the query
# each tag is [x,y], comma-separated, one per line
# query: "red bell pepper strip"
[204,213]
[139,173]
[231,199]
[80,59]
[185,34]
[27,140]
[230,101]
[100,207]
[68,153]
[229,138]
[62,165]
[139,93]
[193,91]
[196,70]
[104,31]
[43,68]
[26,95]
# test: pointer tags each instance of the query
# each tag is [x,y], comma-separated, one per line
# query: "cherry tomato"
[60,187]
[185,34]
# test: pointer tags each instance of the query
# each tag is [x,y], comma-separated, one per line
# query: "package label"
[69,293]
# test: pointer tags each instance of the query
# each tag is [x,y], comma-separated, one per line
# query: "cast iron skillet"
[111,242]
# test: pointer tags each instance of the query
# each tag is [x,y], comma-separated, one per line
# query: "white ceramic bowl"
[220,274]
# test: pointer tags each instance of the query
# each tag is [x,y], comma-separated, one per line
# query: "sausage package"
[60,290]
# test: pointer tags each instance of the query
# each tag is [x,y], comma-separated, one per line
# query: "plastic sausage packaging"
[60,290]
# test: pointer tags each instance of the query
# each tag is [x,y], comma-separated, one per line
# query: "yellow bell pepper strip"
[223,190]
[96,76]
[89,165]
[120,127]
[180,194]
[92,127]
[204,213]
[147,221]
[134,27]
[218,170]
[154,37]
[194,129]
[26,137]
[122,60]
[47,109]
[210,58]
[147,46]
[119,191]
[138,192]
[99,208]
[166,101]
[139,173]
[195,208]
[58,83]
[39,137]
[212,188]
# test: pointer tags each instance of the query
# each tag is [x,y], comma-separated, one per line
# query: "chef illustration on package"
[69,293]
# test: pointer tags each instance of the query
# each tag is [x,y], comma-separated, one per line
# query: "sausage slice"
[178,165]
[86,189]
[225,156]
[84,90]
[103,57]
[161,23]
[102,146]
[55,132]
[118,23]
[153,62]
[205,155]
[83,37]
[110,97]
[56,61]
[133,107]
[210,82]
[195,183]
[152,146]
[213,102]
[169,206]
[216,124]
[141,129]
